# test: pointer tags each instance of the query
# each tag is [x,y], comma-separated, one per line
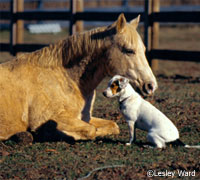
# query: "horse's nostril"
[150,87]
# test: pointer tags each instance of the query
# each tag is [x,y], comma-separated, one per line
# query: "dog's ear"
[123,82]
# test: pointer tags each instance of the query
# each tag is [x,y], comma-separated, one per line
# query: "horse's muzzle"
[149,88]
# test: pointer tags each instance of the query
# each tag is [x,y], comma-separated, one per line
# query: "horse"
[57,83]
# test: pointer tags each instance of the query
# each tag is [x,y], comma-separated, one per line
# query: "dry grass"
[59,160]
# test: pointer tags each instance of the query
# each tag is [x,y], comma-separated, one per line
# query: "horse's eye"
[128,51]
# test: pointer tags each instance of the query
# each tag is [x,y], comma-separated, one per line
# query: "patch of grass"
[59,160]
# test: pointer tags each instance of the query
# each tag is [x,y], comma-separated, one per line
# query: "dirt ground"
[178,96]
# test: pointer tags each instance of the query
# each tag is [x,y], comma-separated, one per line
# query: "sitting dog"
[143,115]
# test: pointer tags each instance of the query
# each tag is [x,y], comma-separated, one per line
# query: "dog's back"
[152,119]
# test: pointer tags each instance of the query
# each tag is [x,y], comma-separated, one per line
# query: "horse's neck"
[85,62]
[83,55]
[50,56]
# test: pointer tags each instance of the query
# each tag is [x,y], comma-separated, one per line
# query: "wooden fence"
[151,18]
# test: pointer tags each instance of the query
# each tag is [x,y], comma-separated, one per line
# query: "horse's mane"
[68,51]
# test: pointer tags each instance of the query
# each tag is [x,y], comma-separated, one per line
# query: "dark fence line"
[65,15]
[148,19]
[39,15]
[176,17]
[177,55]
[165,17]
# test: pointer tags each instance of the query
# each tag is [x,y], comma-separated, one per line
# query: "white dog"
[143,115]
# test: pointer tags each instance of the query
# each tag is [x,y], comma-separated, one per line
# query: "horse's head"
[126,56]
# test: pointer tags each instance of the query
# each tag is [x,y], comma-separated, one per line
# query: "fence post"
[155,34]
[75,6]
[12,27]
[20,23]
[79,8]
[72,27]
[147,27]
[16,26]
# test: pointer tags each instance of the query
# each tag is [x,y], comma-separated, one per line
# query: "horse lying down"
[56,84]
[143,115]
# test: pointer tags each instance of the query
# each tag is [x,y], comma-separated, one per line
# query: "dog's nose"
[104,93]
[149,88]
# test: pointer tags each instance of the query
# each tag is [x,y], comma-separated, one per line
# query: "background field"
[178,97]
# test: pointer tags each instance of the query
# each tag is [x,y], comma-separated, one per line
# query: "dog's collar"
[122,101]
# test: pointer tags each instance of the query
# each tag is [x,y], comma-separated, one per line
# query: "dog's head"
[115,86]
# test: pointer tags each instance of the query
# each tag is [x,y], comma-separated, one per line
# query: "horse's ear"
[135,21]
[120,24]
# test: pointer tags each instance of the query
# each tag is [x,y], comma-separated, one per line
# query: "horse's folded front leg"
[104,127]
[76,128]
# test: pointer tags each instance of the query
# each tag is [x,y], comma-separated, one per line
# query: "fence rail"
[176,17]
[175,55]
[33,15]
[164,17]
[149,18]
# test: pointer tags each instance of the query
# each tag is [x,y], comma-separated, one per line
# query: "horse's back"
[13,119]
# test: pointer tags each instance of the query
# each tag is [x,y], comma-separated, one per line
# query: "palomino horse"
[58,82]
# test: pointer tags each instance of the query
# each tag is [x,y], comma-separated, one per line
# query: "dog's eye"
[112,86]
[127,50]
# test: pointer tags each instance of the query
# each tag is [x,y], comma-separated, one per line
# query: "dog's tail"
[178,142]
[195,146]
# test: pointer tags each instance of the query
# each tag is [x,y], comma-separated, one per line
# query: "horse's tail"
[178,142]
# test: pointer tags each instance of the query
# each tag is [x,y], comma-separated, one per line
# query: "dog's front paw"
[128,144]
